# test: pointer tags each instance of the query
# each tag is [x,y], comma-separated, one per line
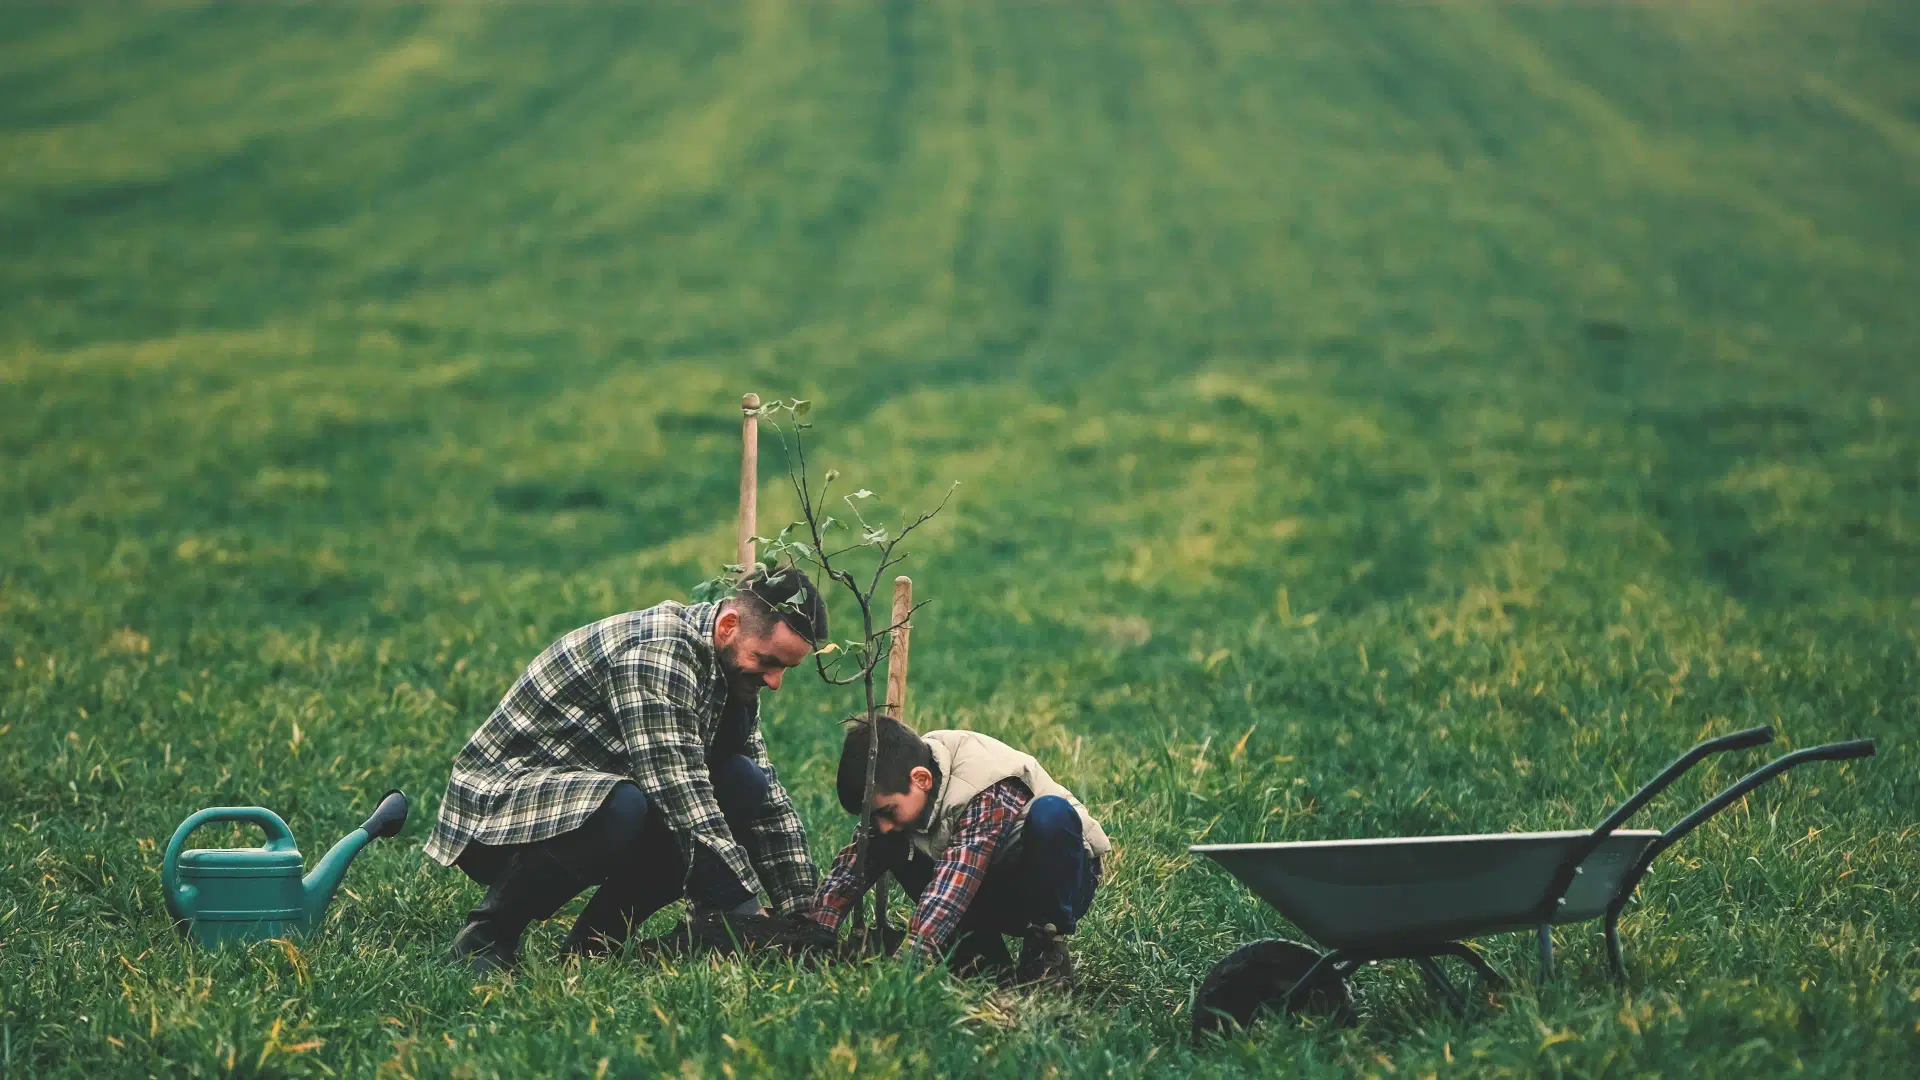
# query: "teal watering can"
[251,894]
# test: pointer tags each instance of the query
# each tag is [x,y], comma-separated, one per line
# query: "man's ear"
[725,627]
[921,778]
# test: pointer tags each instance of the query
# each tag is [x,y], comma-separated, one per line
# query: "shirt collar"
[704,617]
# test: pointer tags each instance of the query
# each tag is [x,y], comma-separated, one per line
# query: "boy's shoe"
[1044,957]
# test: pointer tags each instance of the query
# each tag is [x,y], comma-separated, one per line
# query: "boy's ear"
[921,778]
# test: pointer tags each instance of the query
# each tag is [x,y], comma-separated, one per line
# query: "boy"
[981,836]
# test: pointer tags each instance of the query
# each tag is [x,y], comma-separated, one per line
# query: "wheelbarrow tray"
[1398,892]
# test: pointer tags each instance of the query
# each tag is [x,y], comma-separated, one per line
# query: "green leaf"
[802,407]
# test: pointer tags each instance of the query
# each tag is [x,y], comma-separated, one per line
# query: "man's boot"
[592,939]
[529,887]
[609,919]
[1044,957]
[625,901]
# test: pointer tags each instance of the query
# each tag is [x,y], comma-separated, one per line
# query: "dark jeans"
[1047,878]
[627,849]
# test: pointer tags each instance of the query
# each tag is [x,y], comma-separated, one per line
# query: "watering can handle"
[279,838]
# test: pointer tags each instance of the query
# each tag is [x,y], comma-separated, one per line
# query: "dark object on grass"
[1604,330]
[1420,898]
[864,939]
[982,954]
[1254,977]
[727,934]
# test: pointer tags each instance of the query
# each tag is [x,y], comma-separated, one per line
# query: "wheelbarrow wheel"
[1254,979]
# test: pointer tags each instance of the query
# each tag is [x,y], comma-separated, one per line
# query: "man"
[629,756]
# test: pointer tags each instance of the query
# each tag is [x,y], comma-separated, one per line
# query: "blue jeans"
[1046,879]
[628,850]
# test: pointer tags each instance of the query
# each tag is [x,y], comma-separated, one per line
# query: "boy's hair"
[786,595]
[901,750]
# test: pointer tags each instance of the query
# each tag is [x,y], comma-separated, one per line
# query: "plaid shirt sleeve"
[778,840]
[839,890]
[963,866]
[656,699]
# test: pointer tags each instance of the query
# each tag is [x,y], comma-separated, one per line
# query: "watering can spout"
[318,887]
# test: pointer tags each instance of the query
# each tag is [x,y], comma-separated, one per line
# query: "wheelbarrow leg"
[1546,952]
[1615,958]
[1472,958]
[1331,965]
[1441,983]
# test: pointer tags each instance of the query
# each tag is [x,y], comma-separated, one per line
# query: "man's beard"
[739,682]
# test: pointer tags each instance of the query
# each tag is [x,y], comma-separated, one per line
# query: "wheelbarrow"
[1421,898]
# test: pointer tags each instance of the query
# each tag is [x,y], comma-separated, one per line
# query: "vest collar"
[942,776]
[938,789]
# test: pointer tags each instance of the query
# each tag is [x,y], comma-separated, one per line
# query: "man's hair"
[900,752]
[786,595]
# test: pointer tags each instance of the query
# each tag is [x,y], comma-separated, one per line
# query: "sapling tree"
[855,551]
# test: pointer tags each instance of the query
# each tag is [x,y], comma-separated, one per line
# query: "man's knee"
[739,785]
[622,816]
[1052,819]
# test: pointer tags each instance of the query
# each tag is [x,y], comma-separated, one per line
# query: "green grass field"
[1372,419]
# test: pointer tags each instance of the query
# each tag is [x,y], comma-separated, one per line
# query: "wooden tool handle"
[749,478]
[897,662]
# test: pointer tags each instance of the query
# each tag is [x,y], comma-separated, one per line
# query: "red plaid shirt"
[983,823]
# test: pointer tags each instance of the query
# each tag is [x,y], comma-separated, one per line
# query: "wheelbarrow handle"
[1739,740]
[1562,879]
[1830,752]
[1840,751]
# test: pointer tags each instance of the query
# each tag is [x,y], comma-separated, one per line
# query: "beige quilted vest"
[971,763]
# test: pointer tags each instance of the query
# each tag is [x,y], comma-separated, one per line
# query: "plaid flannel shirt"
[986,820]
[639,697]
